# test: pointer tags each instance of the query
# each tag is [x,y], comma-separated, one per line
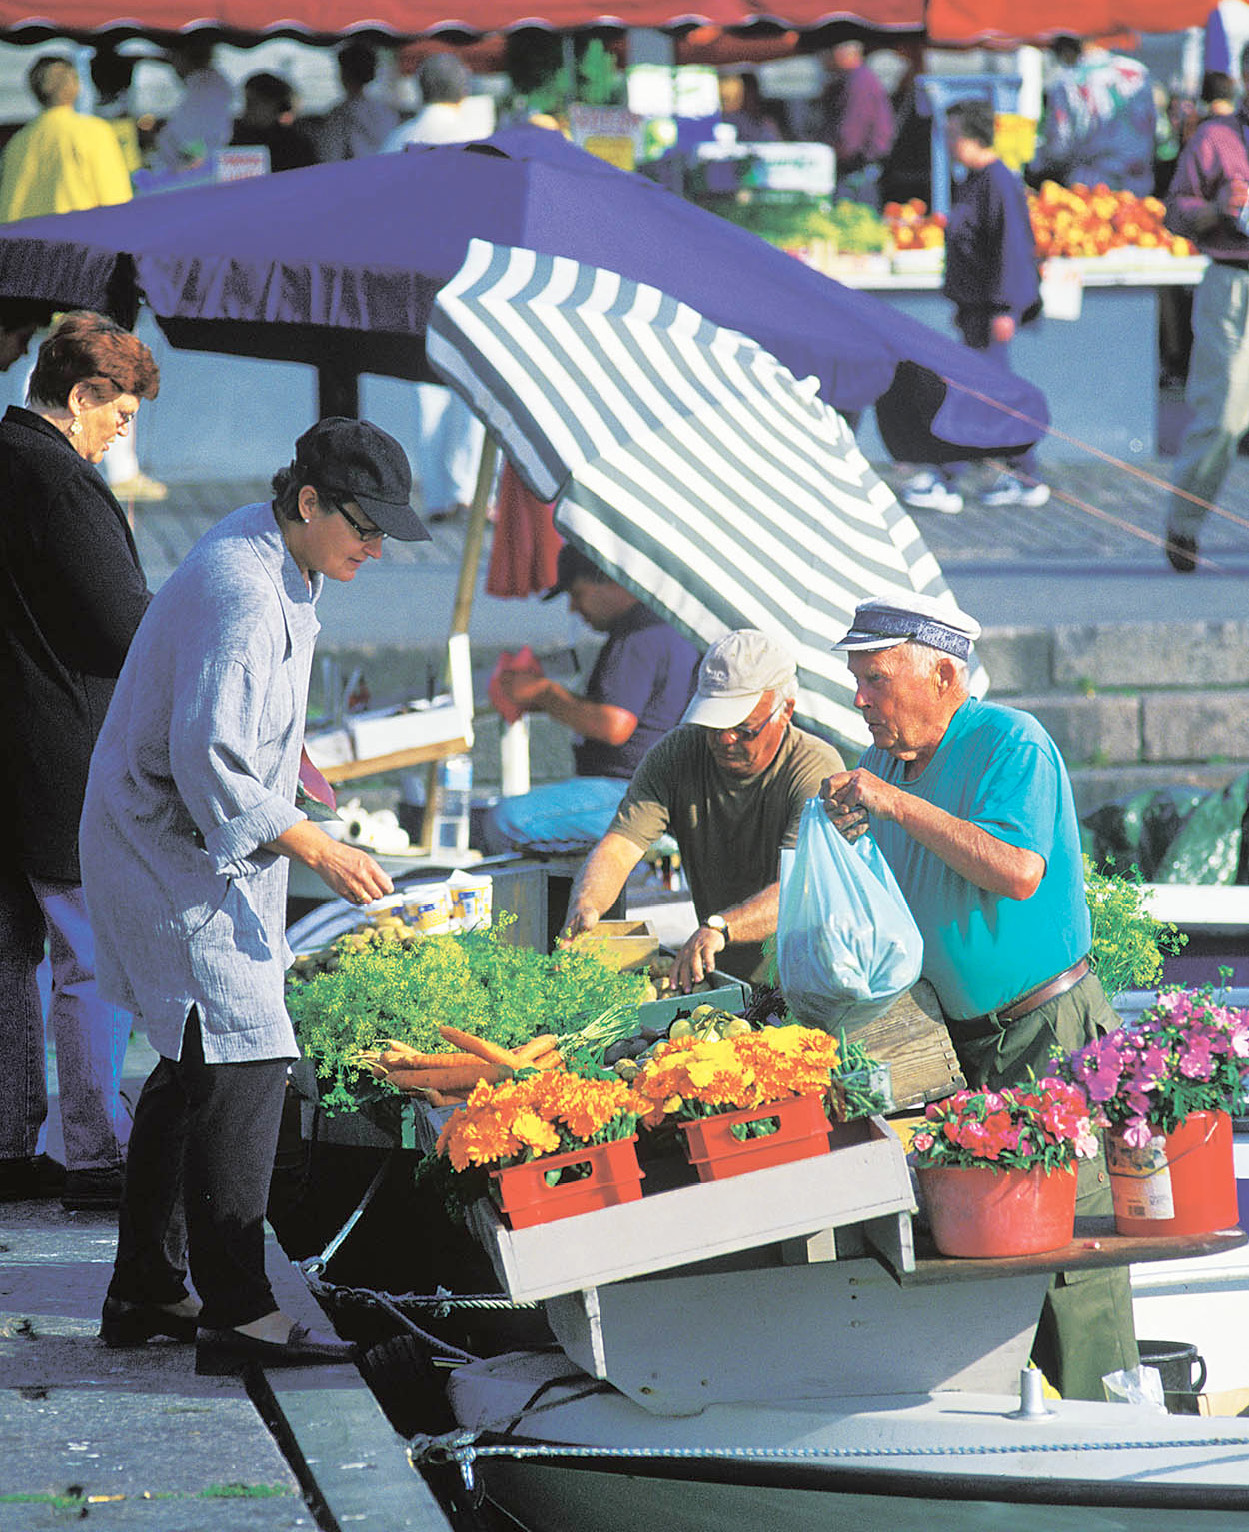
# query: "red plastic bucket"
[985,1213]
[1180,1183]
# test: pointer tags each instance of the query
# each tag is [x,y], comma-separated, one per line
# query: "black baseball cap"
[361,462]
[572,565]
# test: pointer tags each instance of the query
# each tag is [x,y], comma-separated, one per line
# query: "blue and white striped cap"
[885,621]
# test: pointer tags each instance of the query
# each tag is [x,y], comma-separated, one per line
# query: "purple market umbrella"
[338,265]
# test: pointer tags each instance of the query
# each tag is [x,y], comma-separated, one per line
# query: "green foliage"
[477,981]
[1128,943]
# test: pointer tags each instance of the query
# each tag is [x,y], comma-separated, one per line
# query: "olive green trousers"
[1085,1329]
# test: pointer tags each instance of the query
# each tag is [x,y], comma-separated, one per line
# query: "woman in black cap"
[188,829]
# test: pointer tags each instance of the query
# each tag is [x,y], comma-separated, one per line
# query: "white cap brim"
[722,712]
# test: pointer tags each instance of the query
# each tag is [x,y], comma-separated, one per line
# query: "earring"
[75,428]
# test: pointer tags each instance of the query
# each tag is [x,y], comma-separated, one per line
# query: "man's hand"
[696,959]
[1002,329]
[523,689]
[582,916]
[850,797]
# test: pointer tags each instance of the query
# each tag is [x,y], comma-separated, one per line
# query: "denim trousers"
[197,1185]
[88,1032]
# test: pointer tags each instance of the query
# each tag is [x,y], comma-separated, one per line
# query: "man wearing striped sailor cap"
[971,805]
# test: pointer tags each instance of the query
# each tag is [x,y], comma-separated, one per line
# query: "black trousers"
[197,1184]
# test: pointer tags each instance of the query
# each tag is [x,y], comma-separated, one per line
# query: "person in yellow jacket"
[63,160]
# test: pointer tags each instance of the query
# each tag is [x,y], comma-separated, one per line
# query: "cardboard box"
[621,944]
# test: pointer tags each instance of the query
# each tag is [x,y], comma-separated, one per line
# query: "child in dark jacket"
[991,278]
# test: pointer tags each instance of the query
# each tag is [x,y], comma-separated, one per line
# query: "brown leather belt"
[1036,998]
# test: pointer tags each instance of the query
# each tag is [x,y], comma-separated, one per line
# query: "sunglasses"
[365,534]
[744,736]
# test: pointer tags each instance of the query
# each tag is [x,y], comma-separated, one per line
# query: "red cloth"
[526,660]
[526,543]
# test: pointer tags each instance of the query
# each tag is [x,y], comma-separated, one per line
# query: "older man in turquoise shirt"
[971,804]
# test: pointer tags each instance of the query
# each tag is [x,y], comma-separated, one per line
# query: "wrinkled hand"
[353,874]
[851,797]
[696,959]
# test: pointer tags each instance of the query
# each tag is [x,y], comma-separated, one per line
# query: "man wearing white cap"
[971,804]
[728,784]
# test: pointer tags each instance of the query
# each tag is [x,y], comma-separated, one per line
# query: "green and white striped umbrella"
[685,460]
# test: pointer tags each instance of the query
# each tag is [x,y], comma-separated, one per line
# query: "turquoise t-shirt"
[998,768]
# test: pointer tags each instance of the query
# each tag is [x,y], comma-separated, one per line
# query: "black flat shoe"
[220,1352]
[1181,552]
[134,1324]
[31,1180]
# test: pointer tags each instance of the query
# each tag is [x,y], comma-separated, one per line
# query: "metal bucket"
[1175,1361]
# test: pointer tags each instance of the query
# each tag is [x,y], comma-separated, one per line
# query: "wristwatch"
[718,923]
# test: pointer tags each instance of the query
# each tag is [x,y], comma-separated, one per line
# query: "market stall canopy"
[689,464]
[338,265]
[965,23]
[332,19]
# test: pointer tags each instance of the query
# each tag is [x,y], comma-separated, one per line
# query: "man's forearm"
[973,853]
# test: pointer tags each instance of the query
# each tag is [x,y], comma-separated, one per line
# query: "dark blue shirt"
[649,670]
[990,254]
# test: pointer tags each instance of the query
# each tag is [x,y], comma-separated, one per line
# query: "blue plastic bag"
[846,944]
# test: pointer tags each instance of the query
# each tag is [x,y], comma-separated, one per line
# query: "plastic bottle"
[451,826]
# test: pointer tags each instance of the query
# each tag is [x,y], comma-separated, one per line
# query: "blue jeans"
[555,818]
[89,1033]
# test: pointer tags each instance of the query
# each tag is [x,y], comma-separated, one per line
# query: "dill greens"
[477,981]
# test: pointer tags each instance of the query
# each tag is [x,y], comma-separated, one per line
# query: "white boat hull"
[946,1462]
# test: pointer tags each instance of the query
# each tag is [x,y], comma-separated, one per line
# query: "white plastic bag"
[846,944]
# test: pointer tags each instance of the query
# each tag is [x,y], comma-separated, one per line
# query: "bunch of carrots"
[445,1079]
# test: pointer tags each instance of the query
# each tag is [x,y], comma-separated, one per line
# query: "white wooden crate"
[852,1183]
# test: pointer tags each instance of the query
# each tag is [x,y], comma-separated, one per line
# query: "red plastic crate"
[614,1176]
[802,1131]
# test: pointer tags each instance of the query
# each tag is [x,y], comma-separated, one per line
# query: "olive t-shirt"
[729,830]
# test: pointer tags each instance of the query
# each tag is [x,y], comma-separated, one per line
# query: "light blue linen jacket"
[195,770]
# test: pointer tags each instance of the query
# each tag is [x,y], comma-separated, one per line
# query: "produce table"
[1099,372]
[1095,1245]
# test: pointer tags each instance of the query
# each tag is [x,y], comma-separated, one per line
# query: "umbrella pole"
[461,611]
[338,392]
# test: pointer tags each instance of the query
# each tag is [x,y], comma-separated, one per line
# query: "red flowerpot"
[1179,1183]
[975,1211]
[800,1129]
[598,1176]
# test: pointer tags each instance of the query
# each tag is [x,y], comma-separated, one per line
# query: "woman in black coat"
[71,596]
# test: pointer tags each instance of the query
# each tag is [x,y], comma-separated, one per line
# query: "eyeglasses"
[744,736]
[365,534]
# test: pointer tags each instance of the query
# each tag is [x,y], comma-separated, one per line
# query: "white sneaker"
[1006,489]
[928,491]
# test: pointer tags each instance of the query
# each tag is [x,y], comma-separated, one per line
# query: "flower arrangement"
[537,1114]
[1184,1054]
[689,1078]
[1045,1124]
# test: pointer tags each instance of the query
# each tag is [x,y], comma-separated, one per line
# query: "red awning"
[421,18]
[964,22]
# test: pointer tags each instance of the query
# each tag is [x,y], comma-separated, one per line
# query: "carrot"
[401,1055]
[443,1098]
[552,1060]
[443,1079]
[481,1046]
[535,1047]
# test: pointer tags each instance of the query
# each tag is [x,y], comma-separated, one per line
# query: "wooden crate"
[864,1176]
[913,1039]
[624,945]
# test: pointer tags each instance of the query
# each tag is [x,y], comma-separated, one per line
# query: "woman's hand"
[350,872]
[353,874]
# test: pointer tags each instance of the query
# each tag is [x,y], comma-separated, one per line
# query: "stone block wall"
[1132,706]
